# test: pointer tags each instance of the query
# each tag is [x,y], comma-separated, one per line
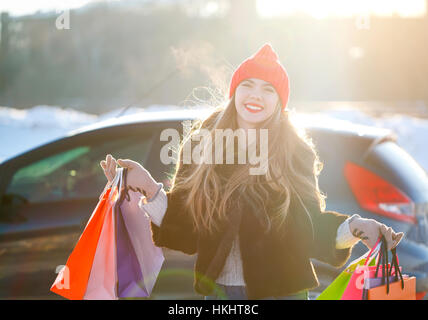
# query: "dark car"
[48,194]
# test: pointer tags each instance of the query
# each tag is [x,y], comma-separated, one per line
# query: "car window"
[390,157]
[396,157]
[75,173]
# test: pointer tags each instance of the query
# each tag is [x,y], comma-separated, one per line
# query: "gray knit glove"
[369,230]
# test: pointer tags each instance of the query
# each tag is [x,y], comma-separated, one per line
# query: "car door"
[50,193]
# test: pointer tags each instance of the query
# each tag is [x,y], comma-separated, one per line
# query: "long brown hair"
[293,164]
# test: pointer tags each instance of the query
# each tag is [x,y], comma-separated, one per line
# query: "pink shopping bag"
[355,285]
[102,279]
[140,249]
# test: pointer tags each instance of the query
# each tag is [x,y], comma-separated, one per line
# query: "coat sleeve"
[176,230]
[325,226]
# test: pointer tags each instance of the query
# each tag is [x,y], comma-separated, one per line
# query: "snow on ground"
[22,130]
[25,129]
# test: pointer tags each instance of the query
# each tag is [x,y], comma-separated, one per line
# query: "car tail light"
[379,196]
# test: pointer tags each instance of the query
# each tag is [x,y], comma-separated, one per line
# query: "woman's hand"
[109,166]
[138,178]
[369,230]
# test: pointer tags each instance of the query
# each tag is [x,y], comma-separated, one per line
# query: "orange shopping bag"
[397,291]
[72,281]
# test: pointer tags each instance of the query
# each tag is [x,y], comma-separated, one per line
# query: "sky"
[343,8]
[23,7]
[265,8]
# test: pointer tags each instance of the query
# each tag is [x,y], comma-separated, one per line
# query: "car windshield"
[74,173]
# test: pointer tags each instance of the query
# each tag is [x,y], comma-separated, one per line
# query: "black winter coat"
[274,264]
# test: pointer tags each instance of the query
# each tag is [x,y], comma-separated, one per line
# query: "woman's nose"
[255,94]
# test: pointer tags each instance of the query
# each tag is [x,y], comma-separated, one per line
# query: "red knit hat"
[263,65]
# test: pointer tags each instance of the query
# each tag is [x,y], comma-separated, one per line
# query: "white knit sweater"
[232,273]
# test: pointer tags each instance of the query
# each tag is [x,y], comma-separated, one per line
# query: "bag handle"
[374,250]
[123,188]
[394,263]
[115,182]
[383,260]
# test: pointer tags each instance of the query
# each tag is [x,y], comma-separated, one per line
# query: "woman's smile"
[253,107]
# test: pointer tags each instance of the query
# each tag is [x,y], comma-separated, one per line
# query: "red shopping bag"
[354,289]
[72,281]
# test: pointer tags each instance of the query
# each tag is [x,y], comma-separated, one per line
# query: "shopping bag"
[115,255]
[372,280]
[139,261]
[397,291]
[402,286]
[129,272]
[354,289]
[78,267]
[102,280]
[370,283]
[337,288]
[355,286]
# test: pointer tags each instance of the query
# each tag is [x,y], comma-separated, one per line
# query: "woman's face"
[255,101]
